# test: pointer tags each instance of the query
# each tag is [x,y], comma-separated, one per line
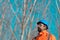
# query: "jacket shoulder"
[52,37]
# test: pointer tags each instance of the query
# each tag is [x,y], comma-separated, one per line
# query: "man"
[43,34]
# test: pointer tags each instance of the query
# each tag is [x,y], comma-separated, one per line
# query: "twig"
[57,6]
[24,15]
[46,9]
[30,28]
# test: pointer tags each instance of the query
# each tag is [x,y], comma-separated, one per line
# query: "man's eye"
[40,25]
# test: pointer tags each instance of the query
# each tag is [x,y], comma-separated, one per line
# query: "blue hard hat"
[43,21]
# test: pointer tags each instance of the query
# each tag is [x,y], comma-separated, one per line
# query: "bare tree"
[38,6]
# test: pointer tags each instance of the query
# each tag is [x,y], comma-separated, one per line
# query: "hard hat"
[43,22]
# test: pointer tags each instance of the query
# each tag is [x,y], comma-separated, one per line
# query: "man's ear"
[44,26]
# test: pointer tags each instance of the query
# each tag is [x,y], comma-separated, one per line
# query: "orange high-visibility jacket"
[44,36]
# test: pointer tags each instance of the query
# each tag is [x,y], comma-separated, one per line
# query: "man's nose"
[38,27]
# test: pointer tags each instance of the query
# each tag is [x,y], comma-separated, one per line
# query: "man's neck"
[44,31]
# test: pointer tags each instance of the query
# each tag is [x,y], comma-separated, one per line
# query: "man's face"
[41,27]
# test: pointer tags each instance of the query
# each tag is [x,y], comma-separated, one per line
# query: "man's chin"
[39,30]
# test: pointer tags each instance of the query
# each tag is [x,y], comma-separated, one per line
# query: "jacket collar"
[43,32]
